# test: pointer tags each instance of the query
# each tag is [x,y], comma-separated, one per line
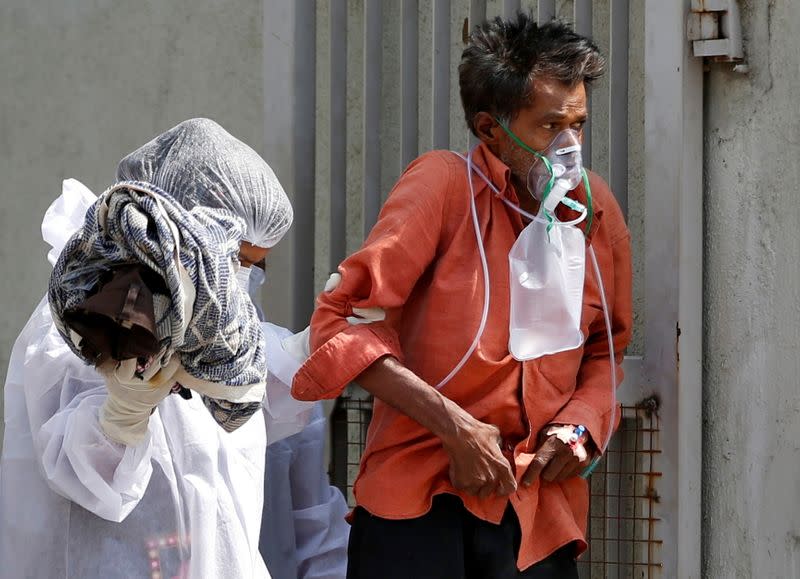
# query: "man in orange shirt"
[461,477]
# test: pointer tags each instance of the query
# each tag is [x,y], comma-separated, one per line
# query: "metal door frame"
[672,361]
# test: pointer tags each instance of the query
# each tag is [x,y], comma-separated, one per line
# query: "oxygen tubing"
[487,297]
[486,289]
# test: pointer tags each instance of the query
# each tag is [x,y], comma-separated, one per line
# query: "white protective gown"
[185,503]
[303,532]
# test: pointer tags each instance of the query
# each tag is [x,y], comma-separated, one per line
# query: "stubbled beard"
[520,162]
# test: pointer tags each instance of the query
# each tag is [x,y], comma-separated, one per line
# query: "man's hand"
[554,461]
[477,466]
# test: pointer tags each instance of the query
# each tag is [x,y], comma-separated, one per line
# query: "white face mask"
[257,279]
[546,268]
[243,277]
[250,279]
[547,262]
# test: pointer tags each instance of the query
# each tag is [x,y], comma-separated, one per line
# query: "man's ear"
[487,128]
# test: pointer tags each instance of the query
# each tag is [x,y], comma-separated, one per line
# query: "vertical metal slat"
[304,156]
[441,74]
[409,56]
[355,125]
[322,157]
[459,12]
[618,109]
[477,13]
[547,10]
[494,9]
[583,26]
[372,112]
[510,8]
[601,92]
[338,137]
[425,74]
[391,105]
[565,11]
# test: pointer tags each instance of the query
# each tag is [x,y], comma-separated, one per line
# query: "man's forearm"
[394,384]
[477,466]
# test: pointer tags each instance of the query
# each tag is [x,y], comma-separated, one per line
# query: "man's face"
[553,107]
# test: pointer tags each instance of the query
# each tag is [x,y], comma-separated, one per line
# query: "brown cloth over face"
[118,321]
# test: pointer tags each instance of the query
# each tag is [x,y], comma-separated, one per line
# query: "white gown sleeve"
[321,532]
[63,397]
[284,415]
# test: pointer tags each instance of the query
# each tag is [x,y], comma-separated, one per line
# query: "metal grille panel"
[623,513]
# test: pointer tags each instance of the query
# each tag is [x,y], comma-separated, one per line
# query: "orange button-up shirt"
[421,265]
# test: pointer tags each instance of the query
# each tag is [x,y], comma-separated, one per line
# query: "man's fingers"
[572,470]
[560,462]
[509,486]
[539,462]
[506,482]
[487,490]
[502,484]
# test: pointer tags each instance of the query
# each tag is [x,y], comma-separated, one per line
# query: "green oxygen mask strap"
[549,186]
[590,214]
[546,162]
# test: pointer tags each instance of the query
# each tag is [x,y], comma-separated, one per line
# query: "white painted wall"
[752,304]
[83,82]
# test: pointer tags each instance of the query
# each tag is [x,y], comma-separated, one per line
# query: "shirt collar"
[497,172]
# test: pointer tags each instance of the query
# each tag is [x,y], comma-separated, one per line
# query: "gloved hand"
[126,411]
[360,315]
[297,345]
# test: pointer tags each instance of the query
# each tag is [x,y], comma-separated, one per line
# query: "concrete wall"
[751,513]
[82,82]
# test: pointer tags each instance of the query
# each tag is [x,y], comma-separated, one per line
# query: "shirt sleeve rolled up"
[382,275]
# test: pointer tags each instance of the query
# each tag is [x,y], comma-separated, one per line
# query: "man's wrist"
[462,431]
[388,380]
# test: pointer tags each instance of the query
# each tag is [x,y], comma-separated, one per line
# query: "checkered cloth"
[221,340]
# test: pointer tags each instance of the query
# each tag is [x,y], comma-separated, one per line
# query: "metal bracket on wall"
[715,29]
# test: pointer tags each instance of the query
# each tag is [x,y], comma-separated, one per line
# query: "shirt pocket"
[561,369]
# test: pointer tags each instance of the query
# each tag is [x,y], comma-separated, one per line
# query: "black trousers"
[446,543]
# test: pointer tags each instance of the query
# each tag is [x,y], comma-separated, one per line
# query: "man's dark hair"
[503,58]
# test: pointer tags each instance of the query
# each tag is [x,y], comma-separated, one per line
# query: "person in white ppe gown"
[186,501]
[304,533]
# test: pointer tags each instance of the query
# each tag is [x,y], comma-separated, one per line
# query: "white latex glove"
[297,345]
[126,411]
[360,315]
